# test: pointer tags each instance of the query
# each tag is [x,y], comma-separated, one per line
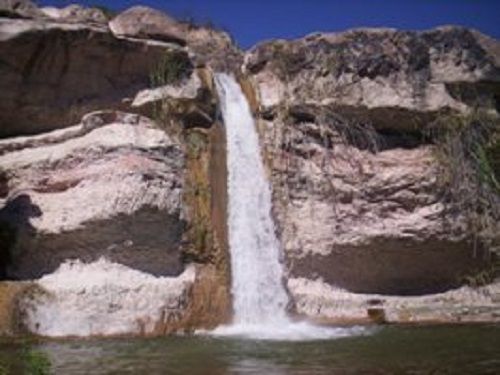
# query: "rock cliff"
[111,149]
[347,123]
[111,146]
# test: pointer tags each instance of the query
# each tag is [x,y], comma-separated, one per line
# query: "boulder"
[146,23]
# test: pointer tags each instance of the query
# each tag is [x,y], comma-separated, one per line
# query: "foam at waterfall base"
[286,331]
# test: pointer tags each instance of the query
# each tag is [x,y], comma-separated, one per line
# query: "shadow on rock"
[15,218]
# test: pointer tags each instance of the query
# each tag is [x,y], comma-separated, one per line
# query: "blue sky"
[252,21]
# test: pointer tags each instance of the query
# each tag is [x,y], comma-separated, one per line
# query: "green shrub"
[171,69]
[37,363]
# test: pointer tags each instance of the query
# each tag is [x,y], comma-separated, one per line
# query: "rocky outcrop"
[59,64]
[141,180]
[392,79]
[214,48]
[77,14]
[330,305]
[53,73]
[11,295]
[147,23]
[190,104]
[72,13]
[18,9]
[343,118]
[103,298]
[111,186]
[144,196]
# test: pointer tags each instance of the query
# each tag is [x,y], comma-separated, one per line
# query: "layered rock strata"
[356,179]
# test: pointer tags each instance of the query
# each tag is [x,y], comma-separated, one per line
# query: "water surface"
[388,350]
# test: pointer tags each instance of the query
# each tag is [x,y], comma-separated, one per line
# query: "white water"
[258,293]
[259,296]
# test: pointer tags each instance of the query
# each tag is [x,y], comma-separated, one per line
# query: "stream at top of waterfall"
[467,349]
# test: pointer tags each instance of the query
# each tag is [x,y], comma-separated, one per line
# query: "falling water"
[258,291]
[259,296]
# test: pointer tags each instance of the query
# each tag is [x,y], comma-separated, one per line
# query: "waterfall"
[259,296]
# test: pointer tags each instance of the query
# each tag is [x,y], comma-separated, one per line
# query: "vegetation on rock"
[170,70]
[37,362]
[467,149]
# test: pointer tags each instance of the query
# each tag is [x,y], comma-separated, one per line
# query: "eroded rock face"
[53,73]
[332,305]
[392,79]
[11,293]
[367,222]
[115,186]
[190,103]
[214,48]
[76,13]
[356,195]
[111,186]
[58,64]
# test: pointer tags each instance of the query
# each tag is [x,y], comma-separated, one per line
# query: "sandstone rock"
[186,91]
[214,48]
[104,298]
[326,304]
[147,23]
[342,119]
[18,9]
[190,103]
[209,46]
[11,294]
[393,79]
[112,188]
[76,13]
[53,73]
[367,222]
